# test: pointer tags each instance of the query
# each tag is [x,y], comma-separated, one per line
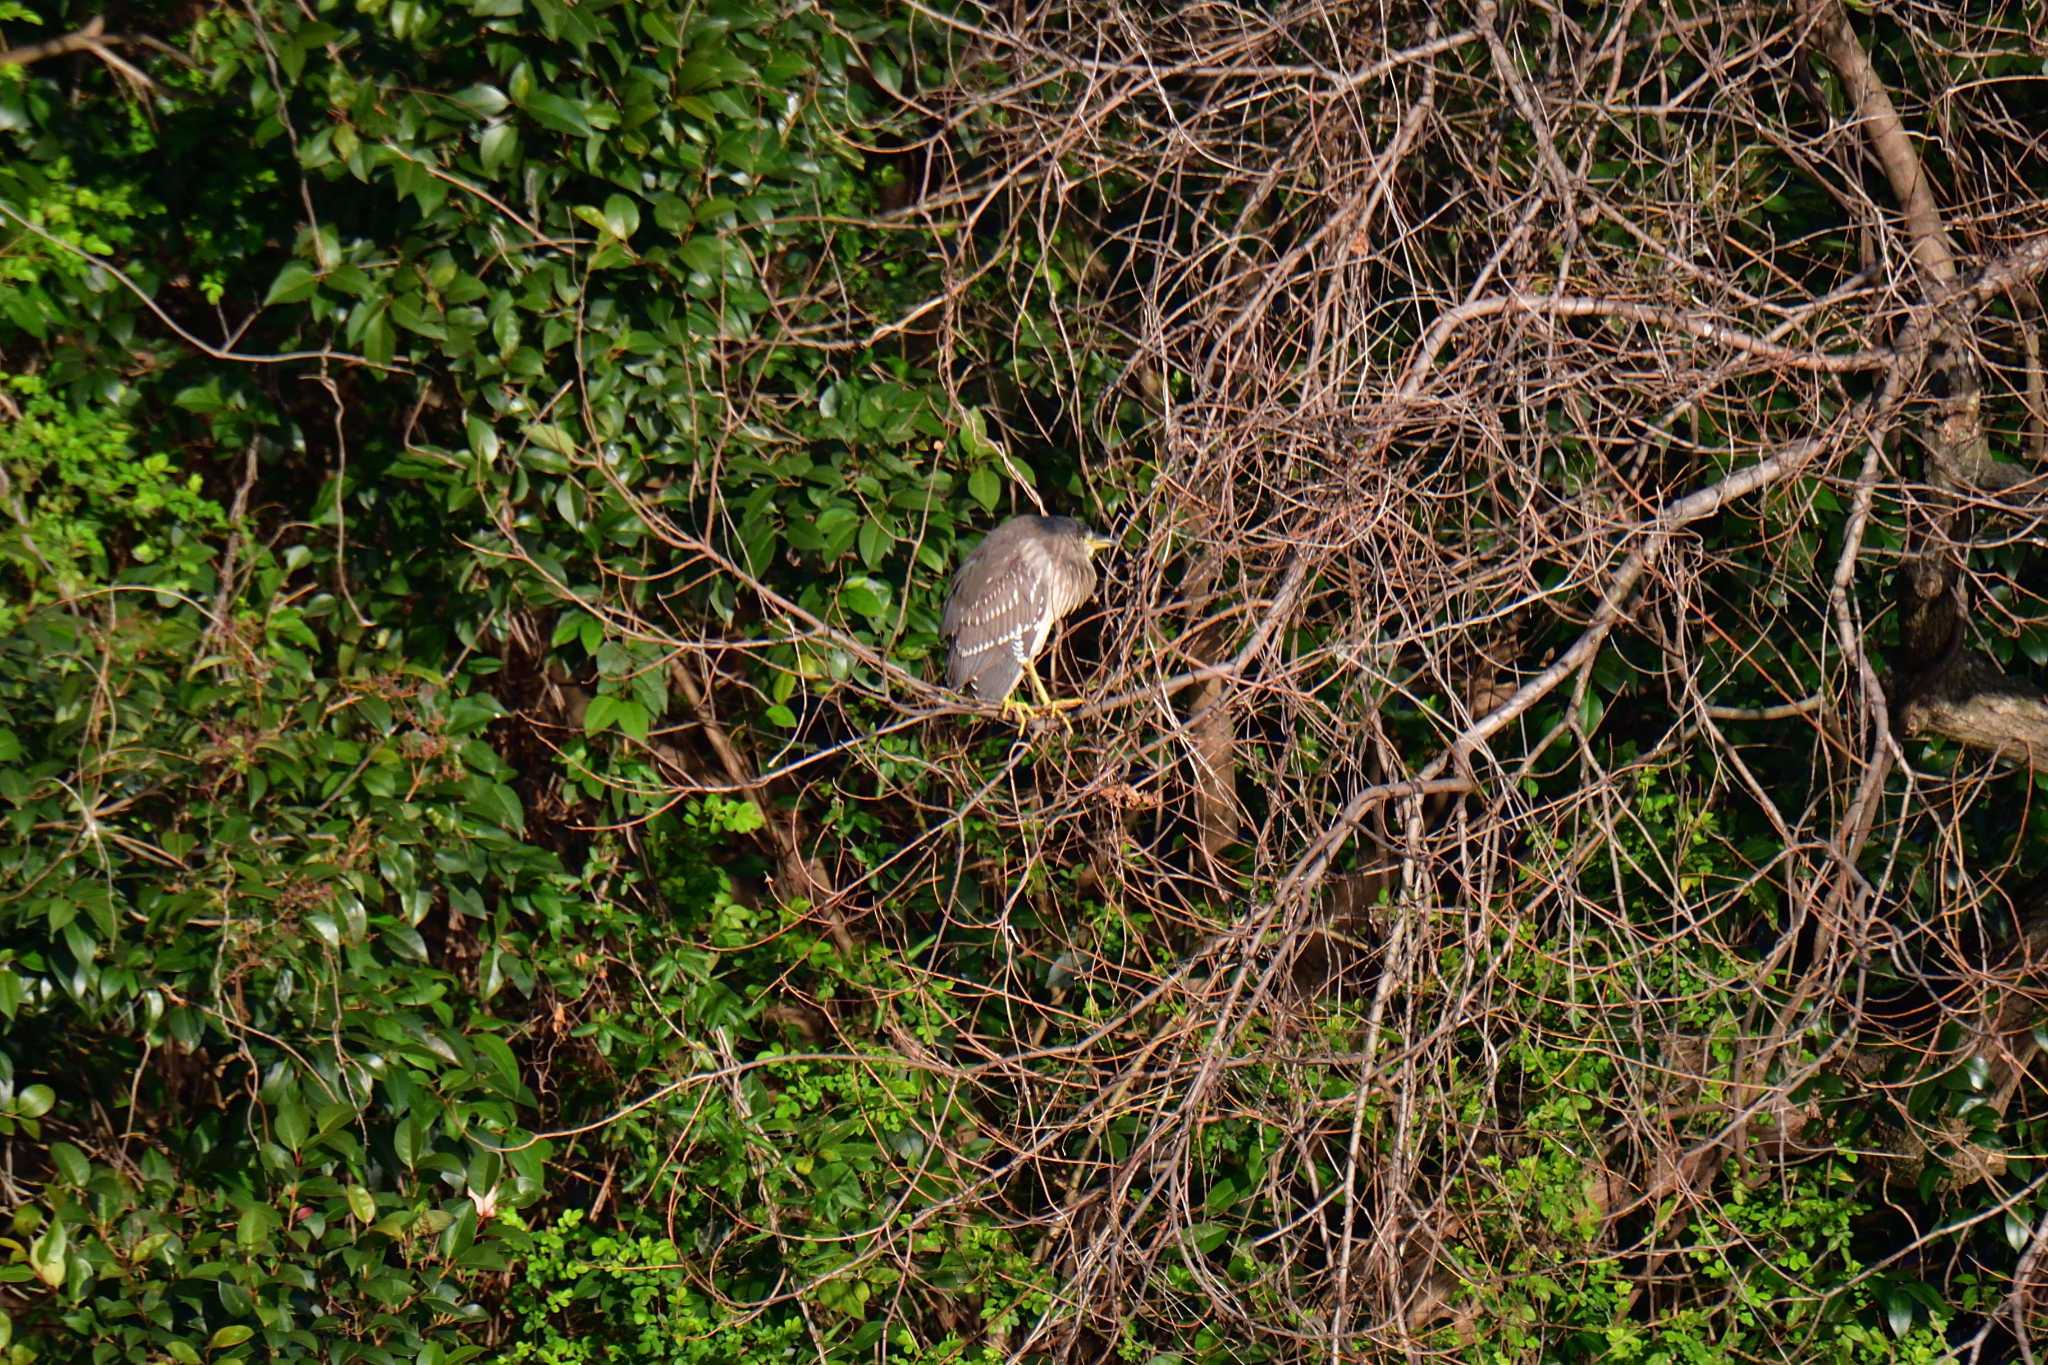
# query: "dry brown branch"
[801,878]
[93,38]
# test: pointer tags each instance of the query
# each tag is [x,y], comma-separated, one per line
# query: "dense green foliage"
[451,449]
[284,947]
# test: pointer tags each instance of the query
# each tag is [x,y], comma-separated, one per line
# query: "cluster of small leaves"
[76,498]
[586,1296]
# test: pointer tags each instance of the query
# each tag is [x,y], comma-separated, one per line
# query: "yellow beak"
[1097,544]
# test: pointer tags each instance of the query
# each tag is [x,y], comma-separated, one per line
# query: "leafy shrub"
[263,1116]
[78,499]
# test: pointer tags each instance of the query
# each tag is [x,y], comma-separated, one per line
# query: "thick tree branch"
[1981,708]
[1940,686]
[1878,120]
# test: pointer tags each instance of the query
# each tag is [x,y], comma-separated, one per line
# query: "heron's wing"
[997,546]
[949,624]
[997,618]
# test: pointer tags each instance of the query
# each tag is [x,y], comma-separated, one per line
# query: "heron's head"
[1079,530]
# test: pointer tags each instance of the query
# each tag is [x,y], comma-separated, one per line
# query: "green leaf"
[46,1255]
[974,437]
[500,804]
[296,281]
[498,145]
[836,527]
[482,100]
[361,1203]
[602,712]
[431,191]
[549,436]
[493,1050]
[887,73]
[71,1163]
[458,1236]
[1898,1311]
[34,1101]
[569,626]
[631,718]
[875,542]
[552,111]
[621,216]
[707,254]
[380,339]
[254,1225]
[985,487]
[294,1126]
[406,1141]
[867,597]
[234,1334]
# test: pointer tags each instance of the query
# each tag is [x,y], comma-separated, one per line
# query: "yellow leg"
[1024,712]
[1048,703]
[1037,687]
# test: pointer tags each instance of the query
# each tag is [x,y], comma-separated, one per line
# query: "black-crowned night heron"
[1009,594]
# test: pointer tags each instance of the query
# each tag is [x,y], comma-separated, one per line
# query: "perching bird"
[1009,594]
